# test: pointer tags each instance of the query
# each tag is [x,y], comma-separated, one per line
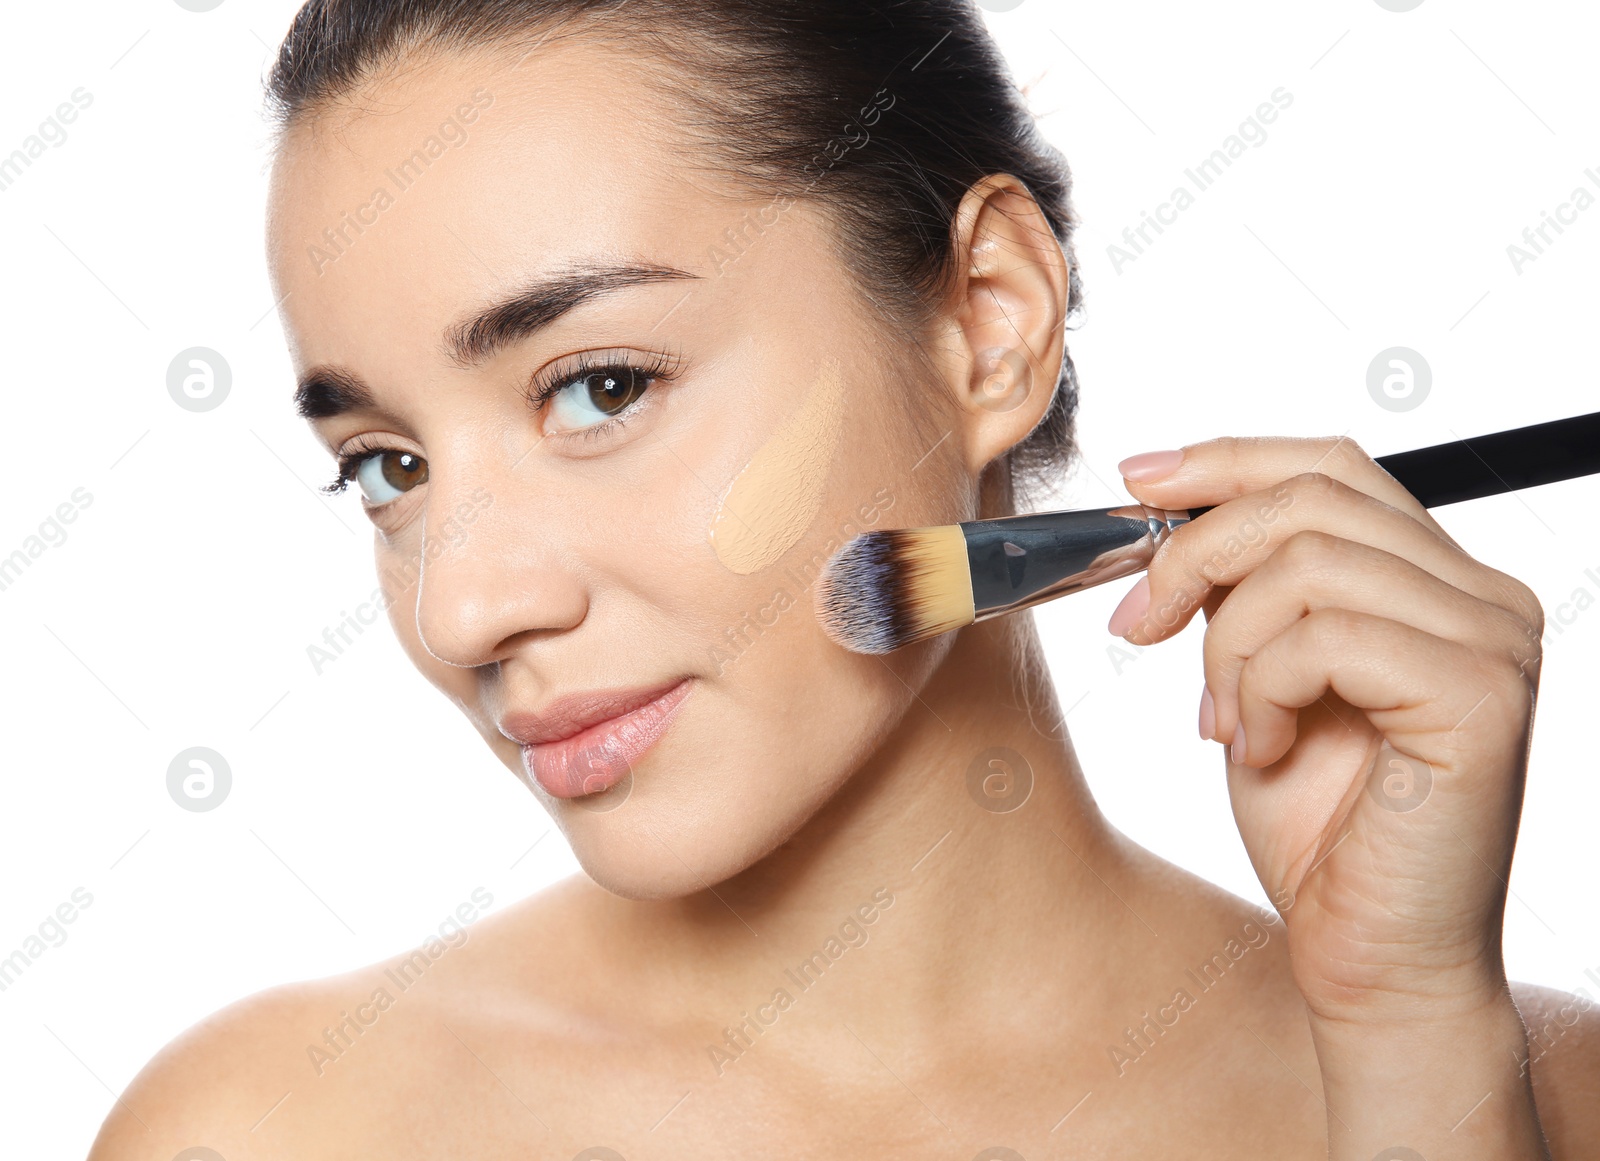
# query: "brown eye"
[404,470]
[597,396]
[610,391]
[387,475]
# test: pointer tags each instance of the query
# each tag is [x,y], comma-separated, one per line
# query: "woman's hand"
[1375,686]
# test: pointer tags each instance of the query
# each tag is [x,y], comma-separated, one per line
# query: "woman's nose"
[487,584]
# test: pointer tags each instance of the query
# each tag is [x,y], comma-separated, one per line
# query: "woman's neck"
[974,820]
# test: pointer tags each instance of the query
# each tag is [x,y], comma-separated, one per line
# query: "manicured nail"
[1208,714]
[1132,609]
[1237,751]
[1150,465]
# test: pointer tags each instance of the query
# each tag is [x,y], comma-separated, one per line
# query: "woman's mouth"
[589,742]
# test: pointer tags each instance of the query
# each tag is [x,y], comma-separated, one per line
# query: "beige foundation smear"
[772,502]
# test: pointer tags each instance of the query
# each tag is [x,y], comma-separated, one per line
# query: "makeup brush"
[888,589]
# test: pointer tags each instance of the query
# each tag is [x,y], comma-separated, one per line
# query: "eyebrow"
[326,391]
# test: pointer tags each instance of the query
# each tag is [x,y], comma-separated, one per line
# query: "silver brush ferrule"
[1019,561]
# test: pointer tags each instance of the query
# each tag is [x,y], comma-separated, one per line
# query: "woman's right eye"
[384,476]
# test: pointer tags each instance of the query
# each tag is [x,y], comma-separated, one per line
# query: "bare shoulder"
[331,1067]
[213,1085]
[1564,1060]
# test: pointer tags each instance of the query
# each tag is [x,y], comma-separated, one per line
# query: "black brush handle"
[1020,561]
[1487,465]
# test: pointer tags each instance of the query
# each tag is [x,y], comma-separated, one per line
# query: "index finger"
[1226,468]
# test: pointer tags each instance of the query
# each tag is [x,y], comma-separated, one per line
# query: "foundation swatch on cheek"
[772,502]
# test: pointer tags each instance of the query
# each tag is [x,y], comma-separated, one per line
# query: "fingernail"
[1208,714]
[1237,750]
[1150,465]
[1132,609]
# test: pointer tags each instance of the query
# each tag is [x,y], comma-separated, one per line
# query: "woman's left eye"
[596,396]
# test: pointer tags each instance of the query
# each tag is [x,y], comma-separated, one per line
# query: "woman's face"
[549,566]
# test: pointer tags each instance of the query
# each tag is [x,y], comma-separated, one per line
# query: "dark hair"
[884,112]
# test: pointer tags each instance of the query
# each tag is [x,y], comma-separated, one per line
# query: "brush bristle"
[885,590]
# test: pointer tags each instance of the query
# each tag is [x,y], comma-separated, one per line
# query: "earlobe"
[1010,316]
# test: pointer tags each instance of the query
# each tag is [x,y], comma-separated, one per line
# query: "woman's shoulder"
[1563,1055]
[1564,1061]
[327,1066]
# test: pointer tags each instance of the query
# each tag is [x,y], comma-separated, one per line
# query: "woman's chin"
[635,867]
[678,834]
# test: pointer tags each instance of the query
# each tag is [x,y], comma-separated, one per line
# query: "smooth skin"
[988,971]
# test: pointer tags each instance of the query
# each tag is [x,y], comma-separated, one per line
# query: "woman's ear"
[1007,325]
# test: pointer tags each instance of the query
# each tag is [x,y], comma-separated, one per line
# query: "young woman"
[624,315]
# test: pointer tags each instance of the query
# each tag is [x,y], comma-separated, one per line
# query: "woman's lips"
[602,753]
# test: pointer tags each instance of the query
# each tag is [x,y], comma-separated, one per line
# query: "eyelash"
[361,448]
[654,366]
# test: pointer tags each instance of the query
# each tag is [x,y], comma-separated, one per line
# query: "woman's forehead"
[471,171]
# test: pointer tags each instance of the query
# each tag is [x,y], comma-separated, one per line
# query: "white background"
[363,809]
